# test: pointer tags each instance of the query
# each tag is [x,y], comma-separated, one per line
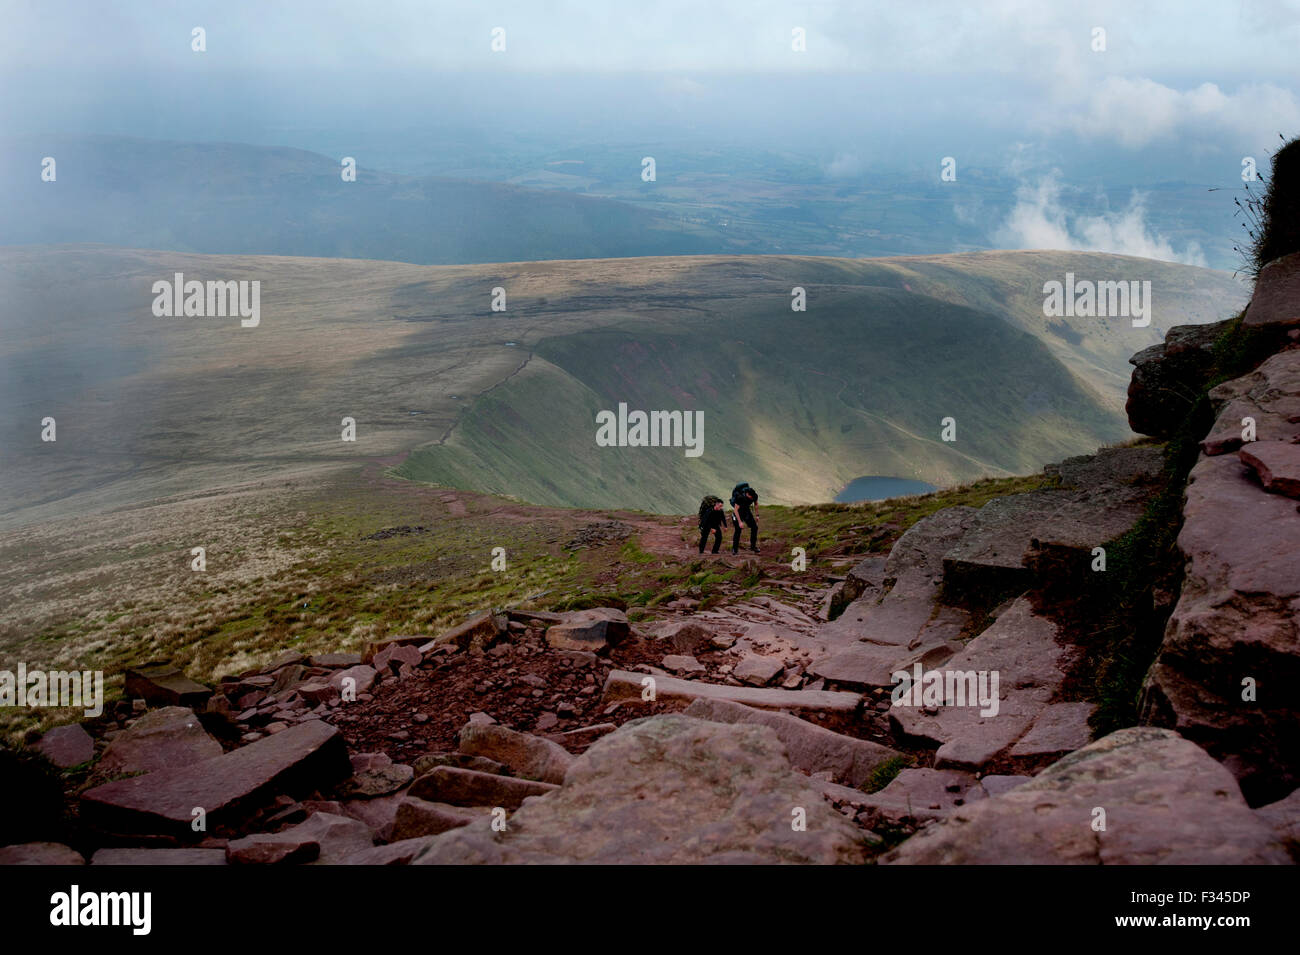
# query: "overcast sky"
[1183,90]
[1170,70]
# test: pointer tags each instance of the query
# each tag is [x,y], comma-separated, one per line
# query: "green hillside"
[799,403]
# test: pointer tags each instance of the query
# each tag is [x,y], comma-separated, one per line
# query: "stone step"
[307,756]
[1025,652]
[810,748]
[623,686]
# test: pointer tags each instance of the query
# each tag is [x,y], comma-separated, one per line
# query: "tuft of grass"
[886,772]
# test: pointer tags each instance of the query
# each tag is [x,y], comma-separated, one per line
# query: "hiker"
[743,499]
[713,518]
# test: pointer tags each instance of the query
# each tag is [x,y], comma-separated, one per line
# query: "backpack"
[743,491]
[706,507]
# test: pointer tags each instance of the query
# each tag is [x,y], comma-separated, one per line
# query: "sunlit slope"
[797,403]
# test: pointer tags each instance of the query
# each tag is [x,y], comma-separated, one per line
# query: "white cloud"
[1041,221]
[1136,111]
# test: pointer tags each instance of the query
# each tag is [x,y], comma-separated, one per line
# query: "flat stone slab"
[873,665]
[419,817]
[67,746]
[925,794]
[469,787]
[683,663]
[1270,395]
[310,754]
[160,739]
[624,686]
[592,630]
[1022,649]
[40,853]
[1166,801]
[1276,464]
[161,684]
[1061,728]
[667,789]
[1276,299]
[159,857]
[810,748]
[757,670]
[990,557]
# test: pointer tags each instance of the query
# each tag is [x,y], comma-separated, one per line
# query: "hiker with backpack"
[713,518]
[743,499]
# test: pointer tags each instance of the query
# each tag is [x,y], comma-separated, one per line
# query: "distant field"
[799,403]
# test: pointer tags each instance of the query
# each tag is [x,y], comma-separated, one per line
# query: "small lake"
[879,488]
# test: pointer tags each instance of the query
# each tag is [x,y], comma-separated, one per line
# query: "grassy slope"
[296,564]
[149,407]
[859,387]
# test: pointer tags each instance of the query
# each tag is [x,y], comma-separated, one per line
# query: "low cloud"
[1135,111]
[1040,220]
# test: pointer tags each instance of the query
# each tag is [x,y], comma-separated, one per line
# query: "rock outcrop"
[1140,796]
[667,789]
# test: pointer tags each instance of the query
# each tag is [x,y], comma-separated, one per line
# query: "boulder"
[161,739]
[430,761]
[1270,395]
[758,670]
[682,663]
[668,789]
[865,578]
[377,781]
[161,684]
[1235,624]
[476,634]
[310,755]
[1166,801]
[1283,818]
[468,787]
[809,747]
[362,677]
[391,657]
[418,817]
[325,838]
[623,686]
[1275,302]
[1168,378]
[525,756]
[591,630]
[388,643]
[67,746]
[685,637]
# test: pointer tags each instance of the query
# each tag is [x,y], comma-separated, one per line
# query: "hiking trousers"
[748,518]
[716,530]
